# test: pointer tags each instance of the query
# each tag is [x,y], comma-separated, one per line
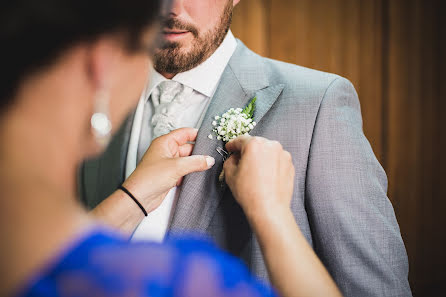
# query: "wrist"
[140,190]
[130,195]
[267,214]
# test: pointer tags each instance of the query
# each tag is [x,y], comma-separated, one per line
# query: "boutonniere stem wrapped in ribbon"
[233,123]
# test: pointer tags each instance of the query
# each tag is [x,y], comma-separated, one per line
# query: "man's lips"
[174,35]
[175,31]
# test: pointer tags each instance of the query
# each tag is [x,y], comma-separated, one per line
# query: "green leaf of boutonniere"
[249,110]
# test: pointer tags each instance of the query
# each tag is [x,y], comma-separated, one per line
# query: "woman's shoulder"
[106,264]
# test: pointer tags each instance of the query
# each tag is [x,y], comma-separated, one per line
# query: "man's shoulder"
[304,84]
[296,75]
[297,80]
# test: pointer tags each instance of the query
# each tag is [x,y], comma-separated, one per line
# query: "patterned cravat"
[168,99]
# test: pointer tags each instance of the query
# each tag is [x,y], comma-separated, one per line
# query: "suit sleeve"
[354,229]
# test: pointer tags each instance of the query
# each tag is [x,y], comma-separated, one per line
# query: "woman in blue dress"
[70,72]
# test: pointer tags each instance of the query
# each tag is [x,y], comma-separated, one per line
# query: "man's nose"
[176,8]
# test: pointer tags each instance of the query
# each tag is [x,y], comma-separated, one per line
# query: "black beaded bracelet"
[134,199]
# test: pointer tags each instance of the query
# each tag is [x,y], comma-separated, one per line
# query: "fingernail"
[210,161]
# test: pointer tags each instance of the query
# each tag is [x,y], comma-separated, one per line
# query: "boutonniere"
[233,123]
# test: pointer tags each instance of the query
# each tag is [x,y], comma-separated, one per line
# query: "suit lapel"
[265,100]
[201,192]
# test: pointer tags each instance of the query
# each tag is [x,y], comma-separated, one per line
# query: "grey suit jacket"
[339,199]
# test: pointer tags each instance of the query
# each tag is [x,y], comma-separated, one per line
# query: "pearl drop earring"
[100,120]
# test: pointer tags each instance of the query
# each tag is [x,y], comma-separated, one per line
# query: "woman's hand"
[164,165]
[260,174]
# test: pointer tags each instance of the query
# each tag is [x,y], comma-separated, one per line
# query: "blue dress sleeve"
[207,271]
[105,265]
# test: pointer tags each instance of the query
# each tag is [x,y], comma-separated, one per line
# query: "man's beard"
[170,58]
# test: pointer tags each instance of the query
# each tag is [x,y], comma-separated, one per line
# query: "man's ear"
[101,61]
[235,2]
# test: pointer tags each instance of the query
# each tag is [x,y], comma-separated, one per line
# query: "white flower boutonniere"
[235,122]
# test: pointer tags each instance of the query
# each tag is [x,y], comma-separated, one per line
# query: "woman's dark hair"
[33,33]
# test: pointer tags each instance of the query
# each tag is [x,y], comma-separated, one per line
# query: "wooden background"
[392,51]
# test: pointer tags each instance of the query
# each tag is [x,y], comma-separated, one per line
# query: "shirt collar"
[205,77]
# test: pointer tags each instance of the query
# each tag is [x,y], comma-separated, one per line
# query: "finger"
[230,166]
[183,135]
[186,165]
[237,144]
[186,149]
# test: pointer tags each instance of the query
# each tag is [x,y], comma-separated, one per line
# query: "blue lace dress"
[102,263]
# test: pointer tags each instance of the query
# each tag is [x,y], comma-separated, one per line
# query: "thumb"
[230,167]
[196,163]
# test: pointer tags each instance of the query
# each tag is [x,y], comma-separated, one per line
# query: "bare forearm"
[119,211]
[294,268]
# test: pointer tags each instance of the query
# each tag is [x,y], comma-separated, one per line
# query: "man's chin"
[175,48]
[169,46]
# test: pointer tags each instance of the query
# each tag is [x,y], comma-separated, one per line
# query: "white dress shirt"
[204,80]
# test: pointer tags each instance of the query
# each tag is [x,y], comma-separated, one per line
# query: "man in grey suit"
[339,199]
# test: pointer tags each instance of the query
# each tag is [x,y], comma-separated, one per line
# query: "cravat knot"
[168,99]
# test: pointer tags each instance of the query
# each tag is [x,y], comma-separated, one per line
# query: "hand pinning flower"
[233,123]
